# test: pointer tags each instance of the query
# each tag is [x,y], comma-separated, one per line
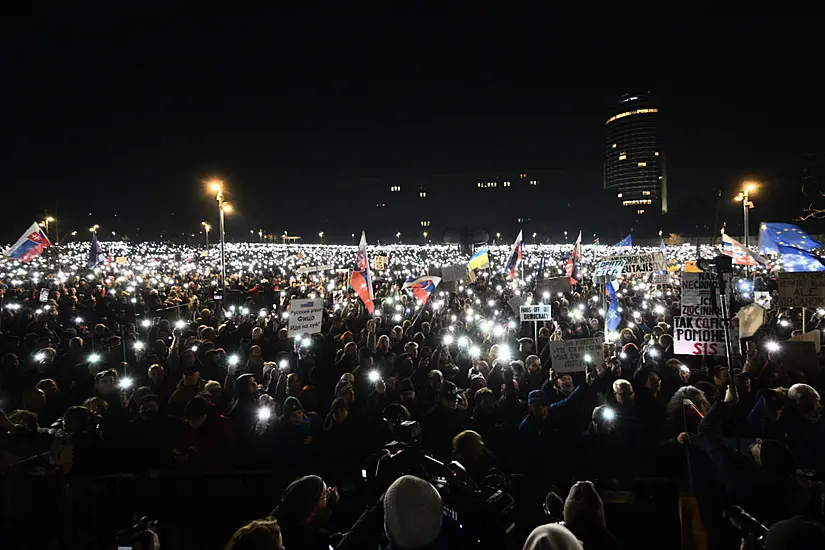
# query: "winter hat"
[291,406]
[448,390]
[552,537]
[342,387]
[584,505]
[197,406]
[537,397]
[412,513]
[241,385]
[299,499]
[777,457]
[798,533]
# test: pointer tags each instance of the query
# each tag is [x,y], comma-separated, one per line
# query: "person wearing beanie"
[797,533]
[304,513]
[584,517]
[294,434]
[552,537]
[765,483]
[412,514]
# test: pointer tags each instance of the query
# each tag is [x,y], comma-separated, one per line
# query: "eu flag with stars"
[774,235]
[627,241]
[796,260]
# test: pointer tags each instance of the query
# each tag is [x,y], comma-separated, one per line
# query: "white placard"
[314,268]
[569,355]
[44,295]
[697,293]
[608,270]
[305,315]
[762,298]
[661,278]
[698,336]
[644,263]
[537,312]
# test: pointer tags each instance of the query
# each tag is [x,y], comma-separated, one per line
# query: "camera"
[751,531]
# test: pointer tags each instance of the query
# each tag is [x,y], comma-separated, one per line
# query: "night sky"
[129,117]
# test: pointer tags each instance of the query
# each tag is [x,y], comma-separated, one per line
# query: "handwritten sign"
[801,289]
[698,336]
[699,293]
[305,315]
[643,263]
[573,355]
[608,270]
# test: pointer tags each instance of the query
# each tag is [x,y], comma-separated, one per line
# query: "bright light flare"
[374,376]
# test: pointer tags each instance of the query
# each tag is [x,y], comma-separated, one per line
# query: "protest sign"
[44,295]
[801,289]
[573,355]
[751,318]
[698,336]
[380,262]
[762,298]
[698,290]
[515,303]
[661,278]
[121,260]
[457,272]
[314,268]
[608,270]
[813,336]
[643,263]
[305,315]
[536,312]
[553,286]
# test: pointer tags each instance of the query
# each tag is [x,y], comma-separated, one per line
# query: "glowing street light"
[747,204]
[94,228]
[217,187]
[425,237]
[321,235]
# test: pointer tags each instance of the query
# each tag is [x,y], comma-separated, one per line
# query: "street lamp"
[498,237]
[94,228]
[425,237]
[321,235]
[565,236]
[353,239]
[534,237]
[46,221]
[217,187]
[206,228]
[747,204]
[398,237]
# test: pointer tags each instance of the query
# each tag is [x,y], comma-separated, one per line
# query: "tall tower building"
[634,164]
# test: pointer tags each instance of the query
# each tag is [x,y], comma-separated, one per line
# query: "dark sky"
[127,117]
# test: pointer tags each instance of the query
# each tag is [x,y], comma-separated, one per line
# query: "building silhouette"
[634,164]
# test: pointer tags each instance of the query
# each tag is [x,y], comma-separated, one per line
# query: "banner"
[305,315]
[801,289]
[643,263]
[698,336]
[697,292]
[537,312]
[314,268]
[572,355]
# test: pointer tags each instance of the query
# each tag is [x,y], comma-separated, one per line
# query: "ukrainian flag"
[479,260]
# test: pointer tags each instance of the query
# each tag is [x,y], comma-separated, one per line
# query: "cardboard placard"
[536,312]
[569,355]
[305,315]
[801,289]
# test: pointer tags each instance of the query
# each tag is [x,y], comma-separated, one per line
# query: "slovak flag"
[574,260]
[515,257]
[30,245]
[423,287]
[361,278]
[740,254]
[691,410]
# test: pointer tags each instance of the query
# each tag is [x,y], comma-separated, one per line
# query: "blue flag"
[540,269]
[627,241]
[95,252]
[795,260]
[614,318]
[774,235]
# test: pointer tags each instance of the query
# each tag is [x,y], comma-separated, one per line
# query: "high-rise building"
[634,164]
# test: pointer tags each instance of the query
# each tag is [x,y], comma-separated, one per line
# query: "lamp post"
[534,237]
[353,239]
[498,237]
[425,238]
[217,187]
[398,237]
[565,236]
[206,228]
[747,204]
[321,235]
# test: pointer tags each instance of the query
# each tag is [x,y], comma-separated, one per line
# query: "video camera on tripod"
[477,515]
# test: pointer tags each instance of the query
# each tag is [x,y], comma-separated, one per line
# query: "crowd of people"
[146,364]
